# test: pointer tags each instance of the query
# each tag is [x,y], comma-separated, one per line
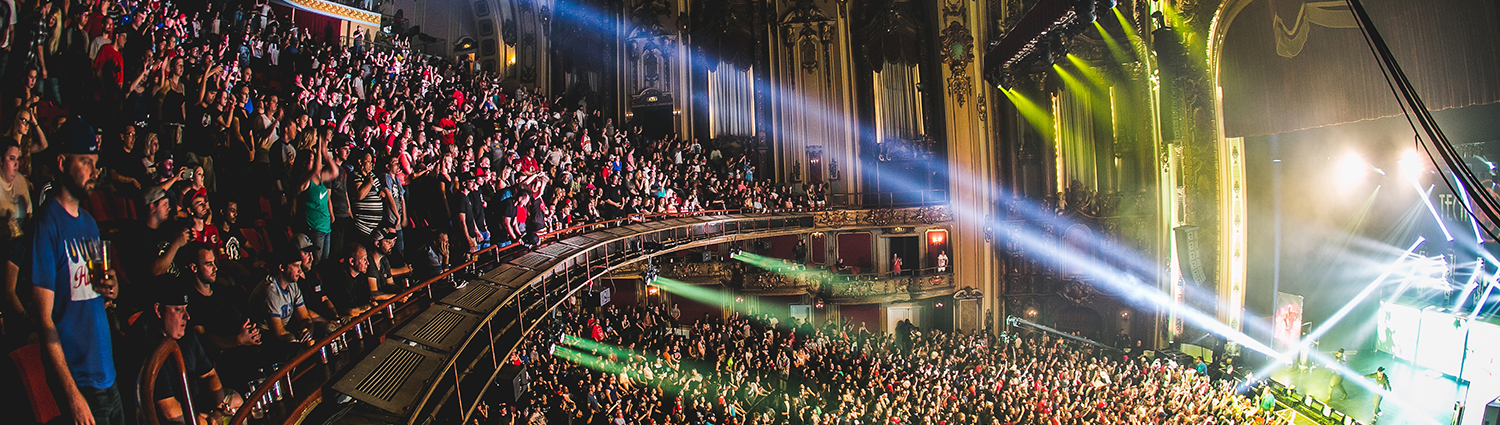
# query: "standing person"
[1383,381]
[1337,382]
[15,210]
[368,196]
[315,206]
[69,300]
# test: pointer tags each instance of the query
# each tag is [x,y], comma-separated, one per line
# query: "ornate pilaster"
[972,151]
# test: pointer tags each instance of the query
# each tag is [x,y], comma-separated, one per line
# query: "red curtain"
[854,249]
[782,247]
[318,25]
[869,314]
[937,243]
[819,249]
[1446,49]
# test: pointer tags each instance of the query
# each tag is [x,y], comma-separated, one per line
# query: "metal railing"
[145,390]
[532,303]
[355,327]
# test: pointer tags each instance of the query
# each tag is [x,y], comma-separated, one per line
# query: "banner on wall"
[1287,321]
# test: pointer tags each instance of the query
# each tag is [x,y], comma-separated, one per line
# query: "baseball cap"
[154,194]
[304,243]
[77,137]
[168,294]
[382,233]
[201,192]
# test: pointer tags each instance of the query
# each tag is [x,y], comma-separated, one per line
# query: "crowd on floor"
[641,365]
[210,173]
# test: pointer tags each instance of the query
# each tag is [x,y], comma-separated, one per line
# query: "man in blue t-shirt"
[69,303]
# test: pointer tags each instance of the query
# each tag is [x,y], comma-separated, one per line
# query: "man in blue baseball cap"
[69,297]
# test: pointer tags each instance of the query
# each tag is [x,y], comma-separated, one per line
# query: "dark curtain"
[854,249]
[1446,48]
[782,247]
[869,314]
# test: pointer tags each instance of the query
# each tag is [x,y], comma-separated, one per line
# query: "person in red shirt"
[446,127]
[109,63]
[202,231]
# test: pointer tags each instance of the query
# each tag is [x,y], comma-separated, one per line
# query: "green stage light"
[1109,41]
[1071,81]
[1039,118]
[1089,73]
[589,344]
[1130,34]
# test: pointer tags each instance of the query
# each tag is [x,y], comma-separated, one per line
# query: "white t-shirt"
[15,205]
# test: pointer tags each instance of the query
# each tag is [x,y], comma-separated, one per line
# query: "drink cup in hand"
[101,268]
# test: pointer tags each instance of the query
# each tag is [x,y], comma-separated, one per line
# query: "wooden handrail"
[281,373]
[145,388]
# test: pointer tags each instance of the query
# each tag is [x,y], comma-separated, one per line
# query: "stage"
[1422,396]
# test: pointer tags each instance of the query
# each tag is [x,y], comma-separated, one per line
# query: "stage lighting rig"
[651,271]
[1037,36]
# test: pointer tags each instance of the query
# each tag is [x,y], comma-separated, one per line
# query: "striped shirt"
[368,211]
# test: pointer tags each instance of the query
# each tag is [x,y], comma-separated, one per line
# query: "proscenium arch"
[1230,170]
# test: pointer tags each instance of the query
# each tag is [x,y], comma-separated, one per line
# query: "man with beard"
[381,271]
[202,231]
[69,300]
[214,306]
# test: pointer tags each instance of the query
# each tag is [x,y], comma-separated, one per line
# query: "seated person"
[346,283]
[217,309]
[312,285]
[432,258]
[381,272]
[168,318]
[278,299]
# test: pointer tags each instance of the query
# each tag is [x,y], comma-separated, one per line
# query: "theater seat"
[28,360]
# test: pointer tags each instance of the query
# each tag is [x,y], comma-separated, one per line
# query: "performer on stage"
[1384,381]
[1337,382]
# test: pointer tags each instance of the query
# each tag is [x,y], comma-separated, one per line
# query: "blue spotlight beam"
[1426,200]
[1327,325]
[1469,206]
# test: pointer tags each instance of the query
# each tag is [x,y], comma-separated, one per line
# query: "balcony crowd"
[209,173]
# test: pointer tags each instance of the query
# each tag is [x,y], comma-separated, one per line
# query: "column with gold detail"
[973,184]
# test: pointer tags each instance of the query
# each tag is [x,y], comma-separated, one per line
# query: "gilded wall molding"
[336,10]
[884,217]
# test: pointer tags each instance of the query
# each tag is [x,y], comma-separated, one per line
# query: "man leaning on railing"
[168,318]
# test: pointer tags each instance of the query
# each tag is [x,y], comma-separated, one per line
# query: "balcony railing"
[526,285]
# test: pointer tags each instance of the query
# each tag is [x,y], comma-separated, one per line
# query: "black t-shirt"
[136,250]
[338,191]
[380,269]
[220,313]
[476,210]
[345,291]
[146,335]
